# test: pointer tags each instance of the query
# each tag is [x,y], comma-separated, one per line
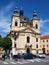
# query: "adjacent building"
[45,44]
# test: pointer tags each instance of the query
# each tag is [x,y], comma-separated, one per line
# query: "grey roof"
[24,19]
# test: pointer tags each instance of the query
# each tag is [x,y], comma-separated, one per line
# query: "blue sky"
[7,7]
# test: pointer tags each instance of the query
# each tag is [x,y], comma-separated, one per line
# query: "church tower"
[35,22]
[36,27]
[15,19]
[14,26]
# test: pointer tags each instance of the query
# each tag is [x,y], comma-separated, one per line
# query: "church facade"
[25,33]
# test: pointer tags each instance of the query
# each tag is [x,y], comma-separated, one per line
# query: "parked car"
[40,55]
[47,54]
[29,56]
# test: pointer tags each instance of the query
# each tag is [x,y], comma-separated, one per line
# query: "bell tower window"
[15,45]
[36,26]
[16,23]
[28,39]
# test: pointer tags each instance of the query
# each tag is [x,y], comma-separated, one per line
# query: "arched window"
[15,45]
[47,51]
[43,41]
[36,46]
[47,40]
[36,39]
[36,26]
[28,39]
[47,45]
[16,23]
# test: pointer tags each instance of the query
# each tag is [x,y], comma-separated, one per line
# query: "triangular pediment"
[28,30]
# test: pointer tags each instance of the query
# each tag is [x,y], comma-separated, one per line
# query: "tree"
[6,43]
[0,36]
[0,40]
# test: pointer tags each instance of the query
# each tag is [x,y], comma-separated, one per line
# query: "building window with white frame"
[36,26]
[16,23]
[28,39]
[36,39]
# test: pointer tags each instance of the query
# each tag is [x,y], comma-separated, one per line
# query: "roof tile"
[45,37]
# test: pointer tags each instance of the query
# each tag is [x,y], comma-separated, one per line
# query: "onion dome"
[16,11]
[34,14]
[21,12]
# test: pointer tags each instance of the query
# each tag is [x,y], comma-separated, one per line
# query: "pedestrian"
[10,55]
[0,53]
[21,58]
[3,55]
[16,54]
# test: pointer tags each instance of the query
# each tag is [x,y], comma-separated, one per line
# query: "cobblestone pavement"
[24,62]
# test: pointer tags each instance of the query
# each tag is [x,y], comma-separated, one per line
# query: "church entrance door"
[43,50]
[28,50]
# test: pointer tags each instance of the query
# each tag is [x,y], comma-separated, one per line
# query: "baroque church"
[25,33]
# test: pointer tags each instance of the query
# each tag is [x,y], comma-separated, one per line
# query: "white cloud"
[5,20]
[44,26]
[42,22]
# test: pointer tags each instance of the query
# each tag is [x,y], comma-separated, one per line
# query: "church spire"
[34,14]
[21,12]
[16,11]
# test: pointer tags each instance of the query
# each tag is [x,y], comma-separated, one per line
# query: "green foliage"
[0,36]
[0,41]
[5,43]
